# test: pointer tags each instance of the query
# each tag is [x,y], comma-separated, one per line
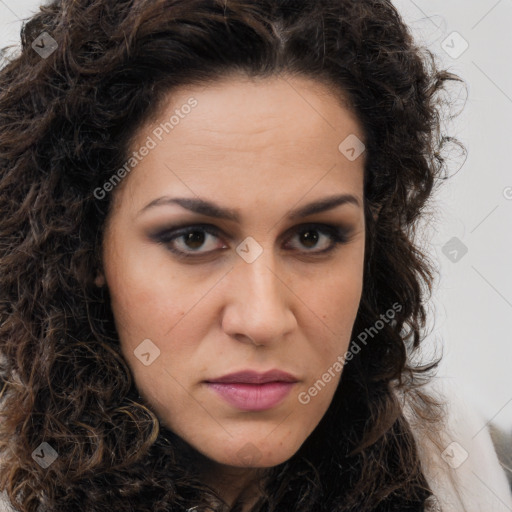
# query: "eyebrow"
[210,209]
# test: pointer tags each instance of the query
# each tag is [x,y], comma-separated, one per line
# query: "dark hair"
[66,124]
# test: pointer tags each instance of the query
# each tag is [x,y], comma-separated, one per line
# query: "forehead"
[237,104]
[275,136]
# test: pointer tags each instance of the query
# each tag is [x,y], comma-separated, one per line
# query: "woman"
[211,289]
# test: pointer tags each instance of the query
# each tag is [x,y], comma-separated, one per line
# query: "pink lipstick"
[252,391]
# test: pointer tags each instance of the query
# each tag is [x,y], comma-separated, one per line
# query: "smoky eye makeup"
[196,240]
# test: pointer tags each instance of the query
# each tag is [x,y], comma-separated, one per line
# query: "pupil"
[311,238]
[195,236]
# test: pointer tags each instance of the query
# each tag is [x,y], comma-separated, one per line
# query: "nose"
[259,304]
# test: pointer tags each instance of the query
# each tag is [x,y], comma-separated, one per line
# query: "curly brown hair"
[66,124]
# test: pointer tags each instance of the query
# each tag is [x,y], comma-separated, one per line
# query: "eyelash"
[338,235]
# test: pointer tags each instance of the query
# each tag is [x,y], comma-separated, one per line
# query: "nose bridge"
[261,276]
[260,307]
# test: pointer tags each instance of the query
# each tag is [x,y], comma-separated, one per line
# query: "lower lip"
[252,397]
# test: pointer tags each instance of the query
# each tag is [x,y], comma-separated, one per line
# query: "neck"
[234,484]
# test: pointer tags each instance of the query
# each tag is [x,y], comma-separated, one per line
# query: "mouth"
[252,391]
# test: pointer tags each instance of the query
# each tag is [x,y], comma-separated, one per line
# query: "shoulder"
[458,458]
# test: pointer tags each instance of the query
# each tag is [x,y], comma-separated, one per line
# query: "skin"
[262,147]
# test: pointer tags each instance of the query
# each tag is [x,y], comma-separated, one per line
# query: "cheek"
[335,302]
[142,296]
[148,304]
[333,355]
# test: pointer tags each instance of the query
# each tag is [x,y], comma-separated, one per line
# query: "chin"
[255,454]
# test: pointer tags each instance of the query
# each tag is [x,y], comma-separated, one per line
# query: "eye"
[188,240]
[311,236]
[191,241]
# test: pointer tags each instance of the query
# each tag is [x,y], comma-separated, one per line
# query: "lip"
[252,391]
[253,377]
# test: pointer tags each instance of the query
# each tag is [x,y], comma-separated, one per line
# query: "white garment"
[463,470]
[464,477]
[5,505]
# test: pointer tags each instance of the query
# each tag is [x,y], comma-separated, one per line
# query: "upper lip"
[253,377]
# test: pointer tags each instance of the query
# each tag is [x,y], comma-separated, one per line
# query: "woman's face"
[255,279]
